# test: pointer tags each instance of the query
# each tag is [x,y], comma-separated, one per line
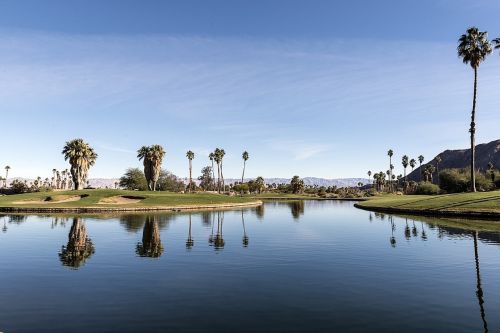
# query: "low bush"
[427,188]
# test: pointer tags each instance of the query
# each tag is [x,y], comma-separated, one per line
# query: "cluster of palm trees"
[82,156]
[381,182]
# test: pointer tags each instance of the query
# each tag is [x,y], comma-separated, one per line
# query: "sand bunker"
[121,200]
[50,200]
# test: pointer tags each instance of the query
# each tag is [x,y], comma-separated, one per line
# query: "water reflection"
[218,240]
[189,241]
[393,228]
[79,247]
[151,243]
[245,237]
[297,209]
[479,292]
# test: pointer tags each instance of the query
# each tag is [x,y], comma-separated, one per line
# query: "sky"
[310,88]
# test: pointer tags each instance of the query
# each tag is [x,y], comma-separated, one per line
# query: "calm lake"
[315,266]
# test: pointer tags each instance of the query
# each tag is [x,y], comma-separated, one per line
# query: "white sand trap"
[46,202]
[120,200]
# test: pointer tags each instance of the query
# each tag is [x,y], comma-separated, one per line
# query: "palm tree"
[54,178]
[413,163]
[7,168]
[404,161]
[152,157]
[190,156]
[438,160]
[369,173]
[81,157]
[245,159]
[217,158]
[222,154]
[144,154]
[420,160]
[211,156]
[390,153]
[473,47]
[491,169]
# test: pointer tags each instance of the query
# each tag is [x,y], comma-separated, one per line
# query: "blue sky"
[314,88]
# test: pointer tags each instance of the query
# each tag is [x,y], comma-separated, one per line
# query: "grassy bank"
[119,200]
[479,204]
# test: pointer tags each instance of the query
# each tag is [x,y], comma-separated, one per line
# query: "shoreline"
[486,215]
[79,210]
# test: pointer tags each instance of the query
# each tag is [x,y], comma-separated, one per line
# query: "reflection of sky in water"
[296,266]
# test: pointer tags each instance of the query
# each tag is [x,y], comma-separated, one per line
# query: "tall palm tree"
[420,160]
[473,47]
[217,158]
[413,163]
[81,157]
[390,153]
[211,156]
[7,168]
[222,154]
[190,156]
[54,178]
[245,159]
[369,173]
[404,161]
[438,160]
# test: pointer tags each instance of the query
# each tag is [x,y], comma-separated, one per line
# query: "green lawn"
[473,203]
[104,199]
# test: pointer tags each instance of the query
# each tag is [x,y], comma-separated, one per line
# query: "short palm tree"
[245,157]
[438,160]
[153,158]
[190,157]
[369,173]
[473,47]
[81,157]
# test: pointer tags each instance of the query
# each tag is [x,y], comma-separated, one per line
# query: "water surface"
[315,266]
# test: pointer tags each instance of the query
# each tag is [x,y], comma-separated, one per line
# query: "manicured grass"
[94,199]
[479,203]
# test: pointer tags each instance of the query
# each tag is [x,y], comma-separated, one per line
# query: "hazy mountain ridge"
[340,182]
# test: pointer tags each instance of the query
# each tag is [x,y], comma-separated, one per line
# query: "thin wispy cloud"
[297,96]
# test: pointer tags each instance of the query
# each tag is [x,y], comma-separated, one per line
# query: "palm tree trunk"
[190,175]
[213,174]
[243,174]
[222,176]
[472,136]
[218,177]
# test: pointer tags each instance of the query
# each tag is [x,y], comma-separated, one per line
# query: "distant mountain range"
[460,158]
[341,182]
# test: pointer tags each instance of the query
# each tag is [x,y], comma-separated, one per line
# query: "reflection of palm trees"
[79,246]
[424,234]
[245,237]
[479,292]
[414,230]
[219,238]
[189,241]
[4,229]
[407,231]
[151,243]
[211,237]
[393,228]
[297,208]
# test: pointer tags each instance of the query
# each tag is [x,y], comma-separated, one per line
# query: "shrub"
[427,188]
[458,180]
